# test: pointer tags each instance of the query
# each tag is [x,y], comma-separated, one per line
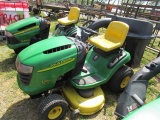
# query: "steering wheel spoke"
[88,30]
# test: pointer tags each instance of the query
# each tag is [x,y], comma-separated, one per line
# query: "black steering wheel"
[88,30]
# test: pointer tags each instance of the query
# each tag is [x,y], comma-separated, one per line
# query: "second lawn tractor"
[30,30]
[68,72]
[131,102]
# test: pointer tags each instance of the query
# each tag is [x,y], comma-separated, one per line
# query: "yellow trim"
[58,64]
[86,106]
[23,31]
[125,82]
[55,112]
[25,40]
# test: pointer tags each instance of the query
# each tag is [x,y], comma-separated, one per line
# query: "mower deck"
[86,106]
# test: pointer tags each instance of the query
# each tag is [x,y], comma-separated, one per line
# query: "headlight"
[23,68]
[8,34]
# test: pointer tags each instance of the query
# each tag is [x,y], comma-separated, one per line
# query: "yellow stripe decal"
[27,30]
[58,64]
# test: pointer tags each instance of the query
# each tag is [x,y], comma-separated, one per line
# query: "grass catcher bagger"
[133,96]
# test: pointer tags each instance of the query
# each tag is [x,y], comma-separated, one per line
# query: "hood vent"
[57,49]
[28,26]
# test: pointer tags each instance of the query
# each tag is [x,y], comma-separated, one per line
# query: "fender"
[137,85]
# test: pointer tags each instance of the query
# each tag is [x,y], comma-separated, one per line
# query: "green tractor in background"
[68,71]
[131,102]
[30,30]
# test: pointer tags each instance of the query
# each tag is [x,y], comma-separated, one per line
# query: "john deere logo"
[58,64]
[27,30]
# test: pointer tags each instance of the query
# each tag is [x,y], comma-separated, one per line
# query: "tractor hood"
[46,51]
[23,24]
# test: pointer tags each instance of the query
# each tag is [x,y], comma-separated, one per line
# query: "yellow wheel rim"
[125,82]
[55,112]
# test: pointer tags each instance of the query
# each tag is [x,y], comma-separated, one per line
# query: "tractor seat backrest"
[72,17]
[113,37]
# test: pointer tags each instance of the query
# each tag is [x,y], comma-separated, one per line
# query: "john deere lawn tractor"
[68,72]
[131,102]
[30,30]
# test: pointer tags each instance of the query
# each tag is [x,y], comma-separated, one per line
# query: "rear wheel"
[120,79]
[53,107]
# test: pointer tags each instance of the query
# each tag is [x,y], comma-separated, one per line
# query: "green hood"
[37,54]
[14,27]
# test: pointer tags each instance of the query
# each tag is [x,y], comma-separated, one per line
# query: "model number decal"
[25,40]
[58,64]
[46,81]
[27,30]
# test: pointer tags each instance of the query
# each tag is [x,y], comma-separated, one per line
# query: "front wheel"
[120,79]
[34,40]
[53,107]
[18,50]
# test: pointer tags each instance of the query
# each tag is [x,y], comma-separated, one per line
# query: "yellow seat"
[72,17]
[113,38]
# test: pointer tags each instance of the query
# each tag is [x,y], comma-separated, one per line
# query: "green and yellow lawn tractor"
[131,102]
[30,30]
[68,72]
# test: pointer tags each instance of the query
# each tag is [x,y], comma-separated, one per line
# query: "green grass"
[15,105]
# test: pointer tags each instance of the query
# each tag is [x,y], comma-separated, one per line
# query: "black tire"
[35,96]
[52,103]
[18,50]
[120,79]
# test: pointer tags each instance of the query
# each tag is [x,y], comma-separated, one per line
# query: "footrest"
[87,80]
